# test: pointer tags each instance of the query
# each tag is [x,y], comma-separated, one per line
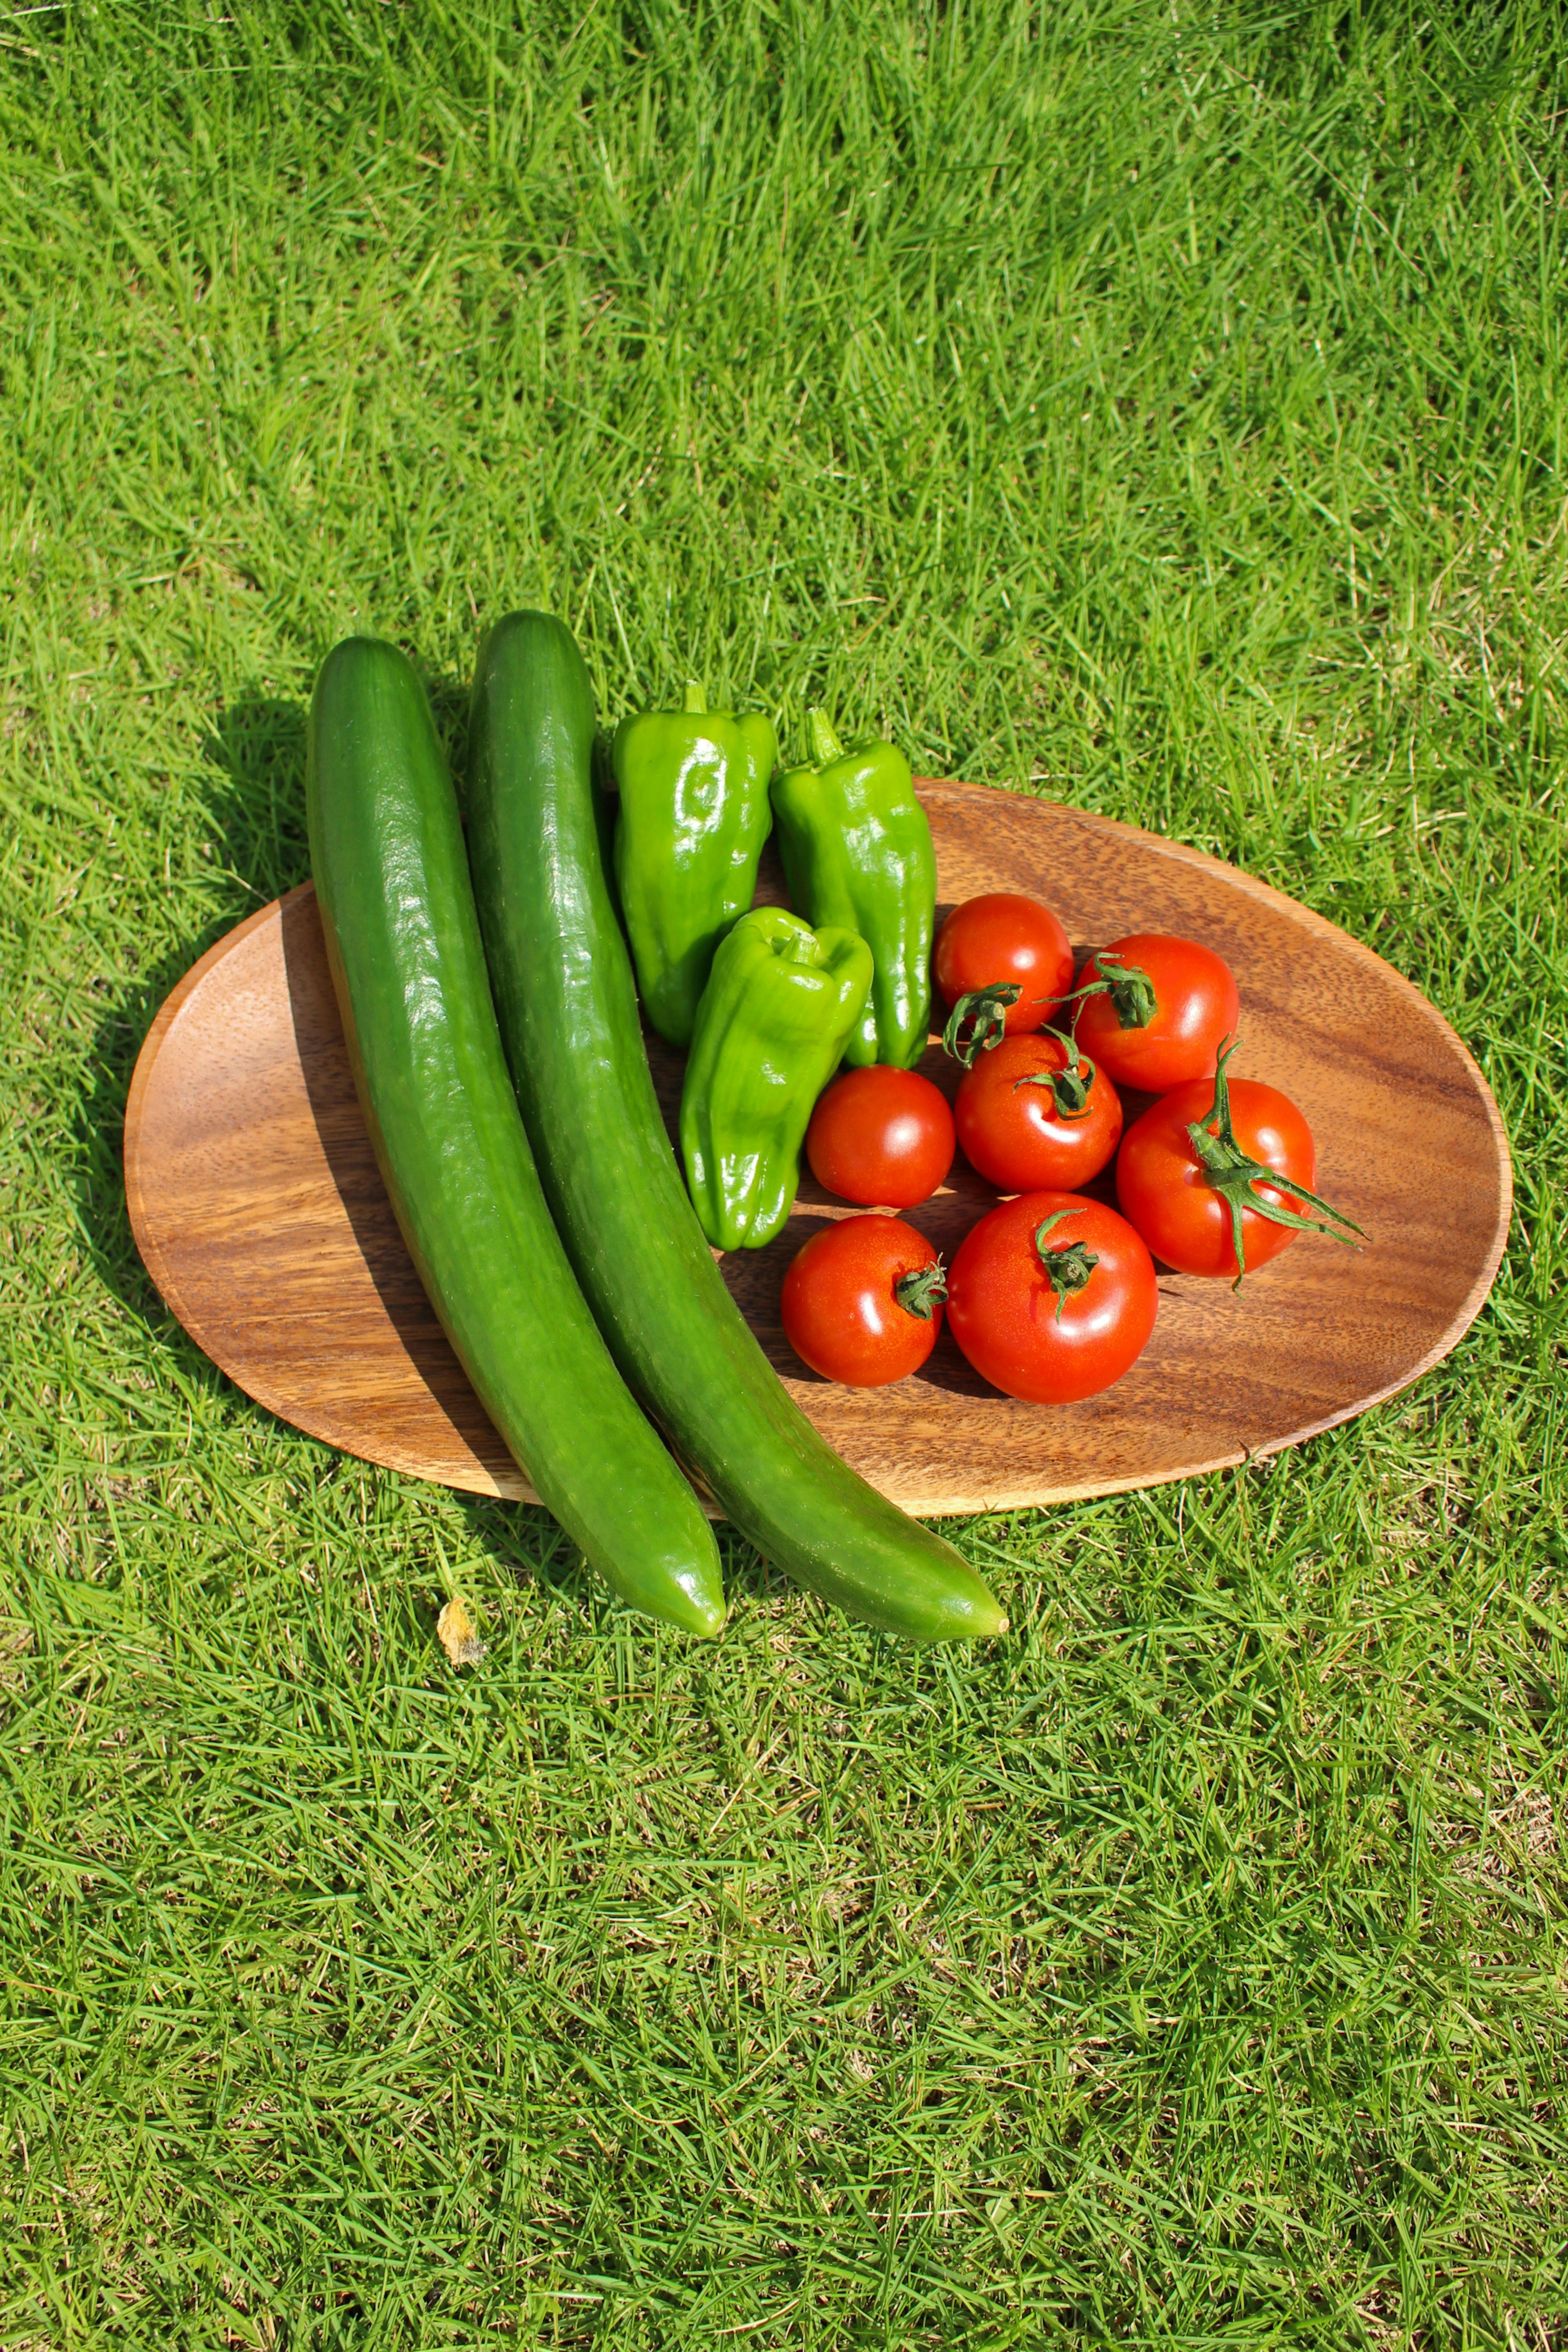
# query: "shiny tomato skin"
[1005,937]
[1002,1310]
[1198,1002]
[1014,1135]
[881,1137]
[1164,1192]
[840,1314]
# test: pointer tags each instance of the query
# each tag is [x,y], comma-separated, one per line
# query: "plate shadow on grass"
[252,810]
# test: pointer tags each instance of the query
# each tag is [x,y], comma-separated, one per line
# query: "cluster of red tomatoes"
[1052,1294]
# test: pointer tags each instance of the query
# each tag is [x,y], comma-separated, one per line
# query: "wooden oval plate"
[258,1207]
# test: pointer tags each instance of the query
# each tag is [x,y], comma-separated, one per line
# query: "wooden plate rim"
[1026,1497]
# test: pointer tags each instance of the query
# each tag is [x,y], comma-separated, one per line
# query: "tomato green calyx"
[1234,1176]
[1068,1269]
[1129,989]
[1070,1085]
[986,1009]
[922,1289]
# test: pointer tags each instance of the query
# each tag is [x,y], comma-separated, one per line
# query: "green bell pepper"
[857,854]
[780,1003]
[693,817]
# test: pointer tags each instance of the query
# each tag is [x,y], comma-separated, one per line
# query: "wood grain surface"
[258,1207]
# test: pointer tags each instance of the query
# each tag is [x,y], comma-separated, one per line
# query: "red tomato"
[1195,1009]
[1055,1315]
[1014,1133]
[1002,937]
[1182,1214]
[881,1137]
[842,1312]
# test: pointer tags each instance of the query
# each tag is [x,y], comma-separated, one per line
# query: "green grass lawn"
[1157,407]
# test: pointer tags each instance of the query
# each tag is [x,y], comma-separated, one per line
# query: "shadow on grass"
[255,814]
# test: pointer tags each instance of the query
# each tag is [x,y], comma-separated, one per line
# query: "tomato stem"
[922,1289]
[1070,1085]
[1067,1268]
[1129,987]
[987,1009]
[1234,1176]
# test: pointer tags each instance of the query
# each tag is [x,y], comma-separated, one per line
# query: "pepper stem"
[1234,1175]
[1070,1084]
[923,1288]
[696,700]
[1129,987]
[987,1009]
[825,744]
[1068,1269]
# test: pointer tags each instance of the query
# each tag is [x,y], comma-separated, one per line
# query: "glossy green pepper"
[780,1003]
[857,854]
[693,817]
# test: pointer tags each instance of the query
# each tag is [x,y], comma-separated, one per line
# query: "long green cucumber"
[407,964]
[567,1004]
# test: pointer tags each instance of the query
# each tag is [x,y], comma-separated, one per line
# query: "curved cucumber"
[565,994]
[407,964]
